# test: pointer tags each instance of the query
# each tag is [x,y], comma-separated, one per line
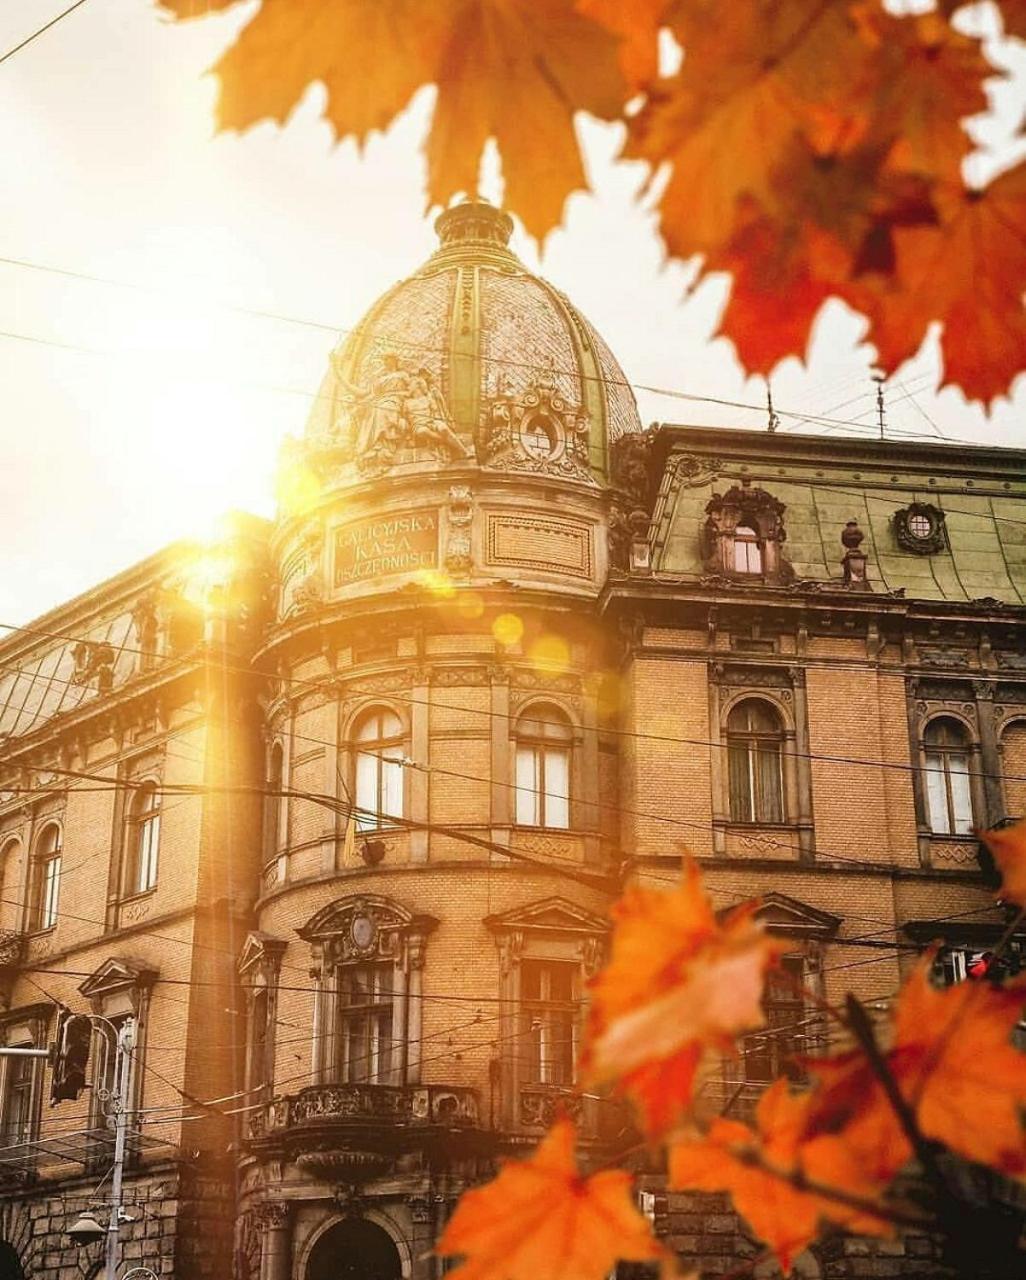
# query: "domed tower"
[442,823]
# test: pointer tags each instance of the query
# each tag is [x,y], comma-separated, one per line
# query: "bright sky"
[133,416]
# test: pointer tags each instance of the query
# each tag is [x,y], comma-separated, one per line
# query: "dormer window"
[747,552]
[743,535]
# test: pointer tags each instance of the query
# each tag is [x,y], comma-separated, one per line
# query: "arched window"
[274,800]
[143,841]
[379,768]
[948,796]
[747,552]
[10,882]
[755,743]
[543,744]
[46,878]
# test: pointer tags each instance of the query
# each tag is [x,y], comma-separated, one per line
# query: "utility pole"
[117,1118]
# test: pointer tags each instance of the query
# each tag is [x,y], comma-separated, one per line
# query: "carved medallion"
[536,431]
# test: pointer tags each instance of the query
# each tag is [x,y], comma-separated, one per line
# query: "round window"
[539,438]
[920,525]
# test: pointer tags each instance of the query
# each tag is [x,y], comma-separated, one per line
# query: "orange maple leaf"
[515,72]
[967,271]
[754,1168]
[929,79]
[1008,845]
[747,89]
[637,23]
[954,1063]
[679,981]
[541,1220]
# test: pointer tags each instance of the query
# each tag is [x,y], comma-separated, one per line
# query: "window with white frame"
[948,794]
[365,1022]
[46,878]
[747,553]
[755,744]
[544,741]
[379,768]
[549,1004]
[143,841]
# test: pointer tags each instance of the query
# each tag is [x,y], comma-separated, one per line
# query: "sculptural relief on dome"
[535,430]
[398,406]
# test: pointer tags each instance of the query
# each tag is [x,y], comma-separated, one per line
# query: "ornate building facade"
[337,809]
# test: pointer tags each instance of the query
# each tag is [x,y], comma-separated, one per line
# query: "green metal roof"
[825,482]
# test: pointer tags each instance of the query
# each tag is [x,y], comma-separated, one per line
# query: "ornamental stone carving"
[539,1108]
[920,528]
[459,518]
[94,660]
[397,414]
[364,928]
[745,506]
[854,559]
[272,1216]
[373,1105]
[535,431]
[629,515]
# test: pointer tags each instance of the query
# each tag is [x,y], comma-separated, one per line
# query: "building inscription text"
[397,544]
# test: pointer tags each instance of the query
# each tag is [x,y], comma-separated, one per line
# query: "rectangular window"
[936,795]
[19,1097]
[145,869]
[948,795]
[767,1053]
[49,892]
[379,788]
[549,1021]
[366,1023]
[542,797]
[528,788]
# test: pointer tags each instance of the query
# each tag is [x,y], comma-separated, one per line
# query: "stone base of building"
[180,1224]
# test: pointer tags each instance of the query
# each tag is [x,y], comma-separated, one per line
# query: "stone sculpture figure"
[427,416]
[398,407]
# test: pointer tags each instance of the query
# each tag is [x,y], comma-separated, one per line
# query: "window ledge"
[957,852]
[138,896]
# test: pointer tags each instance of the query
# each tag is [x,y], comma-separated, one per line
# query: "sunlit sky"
[135,415]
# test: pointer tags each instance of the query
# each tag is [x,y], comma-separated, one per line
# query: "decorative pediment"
[366,926]
[551,915]
[787,915]
[117,975]
[260,951]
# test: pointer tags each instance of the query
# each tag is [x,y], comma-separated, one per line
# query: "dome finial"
[474,221]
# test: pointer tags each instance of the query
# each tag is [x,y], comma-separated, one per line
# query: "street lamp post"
[117,1118]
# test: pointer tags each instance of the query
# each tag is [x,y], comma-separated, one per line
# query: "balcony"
[371,1106]
[349,1133]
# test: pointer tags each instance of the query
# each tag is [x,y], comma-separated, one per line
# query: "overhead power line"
[406,343]
[36,34]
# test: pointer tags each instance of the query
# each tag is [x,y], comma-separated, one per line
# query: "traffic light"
[70,1056]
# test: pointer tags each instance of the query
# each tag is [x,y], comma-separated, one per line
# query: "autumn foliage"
[944,1079]
[812,148]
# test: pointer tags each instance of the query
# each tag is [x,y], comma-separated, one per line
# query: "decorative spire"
[474,222]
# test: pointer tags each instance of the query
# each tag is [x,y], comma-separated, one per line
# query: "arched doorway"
[354,1250]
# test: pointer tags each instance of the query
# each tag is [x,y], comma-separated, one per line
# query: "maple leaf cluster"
[684,982]
[814,148]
